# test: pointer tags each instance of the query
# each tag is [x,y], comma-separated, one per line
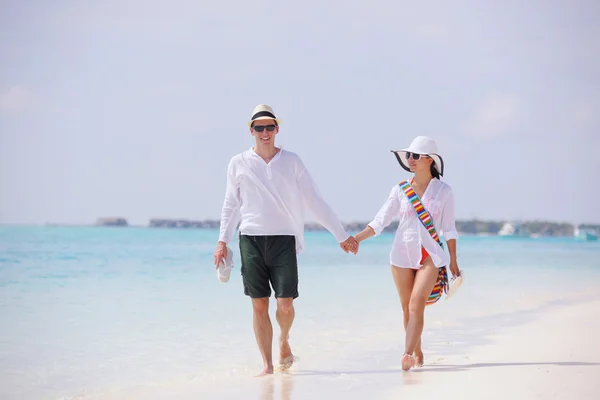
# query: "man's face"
[264,130]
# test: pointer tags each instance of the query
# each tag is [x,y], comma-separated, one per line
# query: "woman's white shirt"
[438,199]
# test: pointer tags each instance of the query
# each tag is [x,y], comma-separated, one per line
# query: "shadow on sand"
[450,367]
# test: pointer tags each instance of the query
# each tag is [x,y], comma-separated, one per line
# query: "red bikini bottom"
[424,255]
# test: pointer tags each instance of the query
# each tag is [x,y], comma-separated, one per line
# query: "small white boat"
[512,229]
[585,234]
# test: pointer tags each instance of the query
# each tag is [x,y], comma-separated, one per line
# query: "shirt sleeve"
[230,213]
[387,212]
[315,202]
[448,222]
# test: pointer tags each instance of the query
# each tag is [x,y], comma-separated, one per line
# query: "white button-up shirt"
[269,198]
[438,199]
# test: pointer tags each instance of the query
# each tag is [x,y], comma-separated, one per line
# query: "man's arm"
[322,211]
[230,215]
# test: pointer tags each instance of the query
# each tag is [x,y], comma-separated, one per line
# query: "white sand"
[555,355]
[550,351]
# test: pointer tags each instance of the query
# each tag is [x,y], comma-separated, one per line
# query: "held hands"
[220,253]
[350,245]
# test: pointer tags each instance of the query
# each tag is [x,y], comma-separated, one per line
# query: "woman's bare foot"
[286,358]
[419,360]
[267,371]
[407,362]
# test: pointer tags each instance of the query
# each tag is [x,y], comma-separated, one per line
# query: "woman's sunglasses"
[415,156]
[260,128]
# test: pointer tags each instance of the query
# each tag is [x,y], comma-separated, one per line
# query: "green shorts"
[269,259]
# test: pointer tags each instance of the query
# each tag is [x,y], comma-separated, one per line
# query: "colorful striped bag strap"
[420,209]
[441,284]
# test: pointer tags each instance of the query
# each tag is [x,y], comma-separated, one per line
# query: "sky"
[133,108]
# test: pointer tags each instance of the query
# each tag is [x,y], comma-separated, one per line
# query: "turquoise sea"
[90,311]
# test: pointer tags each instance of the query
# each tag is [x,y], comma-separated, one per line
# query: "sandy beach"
[549,351]
[553,354]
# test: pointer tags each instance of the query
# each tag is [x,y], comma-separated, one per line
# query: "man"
[267,188]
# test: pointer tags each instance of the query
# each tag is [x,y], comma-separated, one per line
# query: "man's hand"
[220,254]
[350,244]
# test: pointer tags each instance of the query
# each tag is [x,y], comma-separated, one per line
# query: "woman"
[417,256]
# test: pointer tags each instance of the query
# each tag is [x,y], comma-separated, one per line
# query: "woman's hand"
[453,264]
[350,245]
[454,268]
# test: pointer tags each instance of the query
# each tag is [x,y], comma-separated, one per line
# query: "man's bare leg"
[285,318]
[263,330]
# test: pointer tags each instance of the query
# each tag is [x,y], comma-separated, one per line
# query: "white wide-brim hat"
[421,145]
[263,111]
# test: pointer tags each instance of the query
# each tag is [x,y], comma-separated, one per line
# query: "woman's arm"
[365,234]
[384,217]
[450,233]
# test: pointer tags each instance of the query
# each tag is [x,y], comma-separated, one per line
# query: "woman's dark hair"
[433,170]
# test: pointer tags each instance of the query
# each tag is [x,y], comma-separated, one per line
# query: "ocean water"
[93,312]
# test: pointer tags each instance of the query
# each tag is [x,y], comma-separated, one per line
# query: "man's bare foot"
[286,358]
[419,360]
[265,372]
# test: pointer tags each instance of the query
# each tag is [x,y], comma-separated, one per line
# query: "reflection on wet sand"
[285,383]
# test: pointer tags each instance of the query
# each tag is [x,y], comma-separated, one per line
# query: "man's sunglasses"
[415,156]
[260,128]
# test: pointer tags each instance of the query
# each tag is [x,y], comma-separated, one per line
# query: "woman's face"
[422,164]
